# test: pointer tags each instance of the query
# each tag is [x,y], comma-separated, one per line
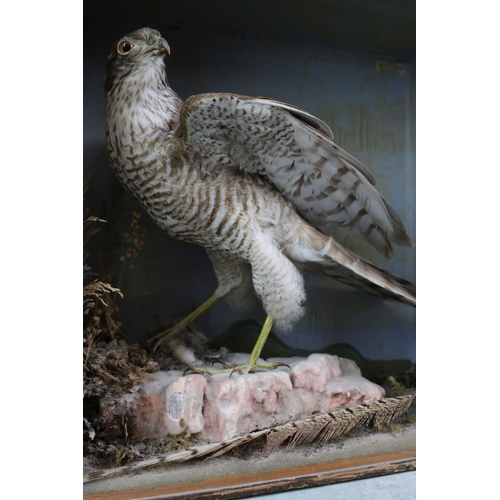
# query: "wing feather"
[294,150]
[302,115]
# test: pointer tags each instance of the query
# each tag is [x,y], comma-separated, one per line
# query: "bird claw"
[279,363]
[246,368]
[241,369]
[238,369]
[225,364]
[220,360]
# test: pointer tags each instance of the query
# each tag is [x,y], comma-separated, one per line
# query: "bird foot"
[165,337]
[251,368]
[242,369]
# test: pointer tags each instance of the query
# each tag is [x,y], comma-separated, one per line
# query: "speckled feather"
[255,182]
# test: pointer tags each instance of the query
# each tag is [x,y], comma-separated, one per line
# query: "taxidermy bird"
[258,183]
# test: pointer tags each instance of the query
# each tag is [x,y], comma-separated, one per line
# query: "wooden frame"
[248,483]
[259,483]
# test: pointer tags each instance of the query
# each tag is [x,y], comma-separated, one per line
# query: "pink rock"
[324,381]
[147,405]
[318,370]
[240,404]
[220,407]
[184,405]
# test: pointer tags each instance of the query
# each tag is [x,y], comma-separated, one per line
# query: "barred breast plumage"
[256,182]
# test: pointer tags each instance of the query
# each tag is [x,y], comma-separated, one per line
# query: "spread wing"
[296,153]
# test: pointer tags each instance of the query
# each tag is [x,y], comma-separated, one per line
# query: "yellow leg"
[182,325]
[251,364]
[259,345]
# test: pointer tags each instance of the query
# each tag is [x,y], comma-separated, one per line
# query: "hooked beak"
[162,47]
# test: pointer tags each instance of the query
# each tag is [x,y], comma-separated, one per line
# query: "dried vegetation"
[111,367]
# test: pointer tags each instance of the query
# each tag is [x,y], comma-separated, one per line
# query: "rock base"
[219,407]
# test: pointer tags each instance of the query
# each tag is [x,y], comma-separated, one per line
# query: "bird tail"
[348,268]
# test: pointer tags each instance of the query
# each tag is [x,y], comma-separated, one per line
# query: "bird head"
[136,54]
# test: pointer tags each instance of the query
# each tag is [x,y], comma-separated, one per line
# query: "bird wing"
[295,151]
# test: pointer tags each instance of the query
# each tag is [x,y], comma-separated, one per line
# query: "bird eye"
[124,47]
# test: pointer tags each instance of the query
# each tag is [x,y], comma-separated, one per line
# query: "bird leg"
[251,364]
[167,335]
[259,345]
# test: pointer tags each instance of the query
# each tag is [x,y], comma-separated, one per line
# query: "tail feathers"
[350,269]
[352,279]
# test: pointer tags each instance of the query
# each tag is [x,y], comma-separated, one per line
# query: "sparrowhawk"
[258,183]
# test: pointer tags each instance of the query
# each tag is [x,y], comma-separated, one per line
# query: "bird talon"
[223,363]
[279,363]
[188,370]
